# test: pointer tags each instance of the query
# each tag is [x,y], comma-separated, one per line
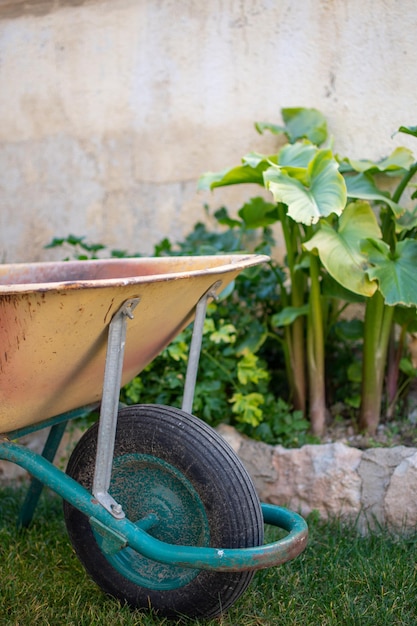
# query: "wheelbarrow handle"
[232,559]
[120,533]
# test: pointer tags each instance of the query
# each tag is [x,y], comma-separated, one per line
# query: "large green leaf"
[407,317]
[333,289]
[249,172]
[255,159]
[297,155]
[406,367]
[257,213]
[395,272]
[309,192]
[305,123]
[294,159]
[340,251]
[222,216]
[275,129]
[407,222]
[300,123]
[363,187]
[288,315]
[408,130]
[399,160]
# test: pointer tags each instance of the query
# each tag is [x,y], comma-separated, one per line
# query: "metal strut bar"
[109,407]
[111,388]
[195,347]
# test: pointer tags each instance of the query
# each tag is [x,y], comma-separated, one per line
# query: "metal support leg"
[195,348]
[109,408]
[35,488]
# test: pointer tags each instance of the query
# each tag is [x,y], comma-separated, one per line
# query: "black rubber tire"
[230,504]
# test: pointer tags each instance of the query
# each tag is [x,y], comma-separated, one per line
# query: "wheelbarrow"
[158,507]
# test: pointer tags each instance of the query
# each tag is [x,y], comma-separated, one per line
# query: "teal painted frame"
[122,532]
[57,426]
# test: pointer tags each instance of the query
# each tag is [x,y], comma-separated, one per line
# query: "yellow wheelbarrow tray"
[158,507]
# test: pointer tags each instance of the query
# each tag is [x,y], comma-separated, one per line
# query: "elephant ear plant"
[328,208]
[378,261]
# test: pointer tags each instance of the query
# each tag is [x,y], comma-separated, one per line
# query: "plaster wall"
[111,109]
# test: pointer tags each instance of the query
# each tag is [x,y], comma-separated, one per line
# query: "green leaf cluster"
[349,233]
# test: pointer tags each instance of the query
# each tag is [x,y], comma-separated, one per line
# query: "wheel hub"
[148,486]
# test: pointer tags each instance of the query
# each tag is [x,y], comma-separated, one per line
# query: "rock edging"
[373,487]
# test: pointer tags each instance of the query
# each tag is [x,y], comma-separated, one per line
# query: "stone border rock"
[373,487]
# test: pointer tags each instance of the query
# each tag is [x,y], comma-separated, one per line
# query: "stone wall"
[373,487]
[111,109]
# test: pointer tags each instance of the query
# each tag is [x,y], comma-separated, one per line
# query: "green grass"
[342,579]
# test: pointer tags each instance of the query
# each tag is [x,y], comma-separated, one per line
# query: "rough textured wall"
[111,109]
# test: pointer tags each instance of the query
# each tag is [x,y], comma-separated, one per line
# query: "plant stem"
[295,333]
[393,369]
[315,352]
[378,320]
[396,196]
